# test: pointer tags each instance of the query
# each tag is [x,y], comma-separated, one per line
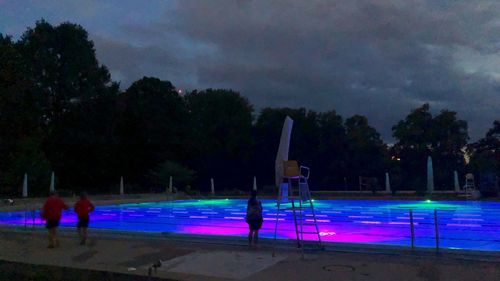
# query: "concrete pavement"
[200,261]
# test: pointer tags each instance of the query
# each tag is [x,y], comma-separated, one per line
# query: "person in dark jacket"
[254,218]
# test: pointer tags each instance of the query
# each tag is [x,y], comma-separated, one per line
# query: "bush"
[181,175]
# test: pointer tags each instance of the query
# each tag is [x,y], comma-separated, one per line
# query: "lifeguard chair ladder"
[469,186]
[298,198]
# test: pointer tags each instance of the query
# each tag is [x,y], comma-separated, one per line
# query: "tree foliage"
[485,153]
[366,152]
[419,135]
[220,123]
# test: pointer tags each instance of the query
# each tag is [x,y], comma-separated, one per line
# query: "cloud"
[372,57]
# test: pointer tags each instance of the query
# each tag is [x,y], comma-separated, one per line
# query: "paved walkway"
[195,261]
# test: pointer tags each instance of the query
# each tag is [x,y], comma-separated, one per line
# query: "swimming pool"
[471,225]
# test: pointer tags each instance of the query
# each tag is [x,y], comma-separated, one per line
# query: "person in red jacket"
[83,207]
[51,213]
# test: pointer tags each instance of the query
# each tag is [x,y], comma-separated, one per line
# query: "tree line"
[61,111]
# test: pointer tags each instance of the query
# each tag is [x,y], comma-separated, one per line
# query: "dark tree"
[443,137]
[485,153]
[152,127]
[77,102]
[62,61]
[82,145]
[20,123]
[366,152]
[220,125]
[332,151]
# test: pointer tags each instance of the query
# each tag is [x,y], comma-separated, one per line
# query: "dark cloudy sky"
[379,58]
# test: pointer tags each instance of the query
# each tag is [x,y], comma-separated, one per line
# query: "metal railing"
[436,230]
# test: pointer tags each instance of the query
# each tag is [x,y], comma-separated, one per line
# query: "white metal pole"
[455,180]
[52,183]
[387,183]
[255,183]
[25,185]
[122,191]
[170,187]
[212,188]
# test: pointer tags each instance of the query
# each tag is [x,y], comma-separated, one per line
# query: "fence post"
[25,217]
[436,225]
[33,216]
[412,229]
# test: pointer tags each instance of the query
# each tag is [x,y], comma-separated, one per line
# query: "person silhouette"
[254,218]
[51,213]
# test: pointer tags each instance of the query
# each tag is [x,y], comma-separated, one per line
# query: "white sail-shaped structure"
[284,147]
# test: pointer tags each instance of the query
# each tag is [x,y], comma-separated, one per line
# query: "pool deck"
[213,261]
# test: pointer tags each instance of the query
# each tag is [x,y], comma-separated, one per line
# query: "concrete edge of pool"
[283,244]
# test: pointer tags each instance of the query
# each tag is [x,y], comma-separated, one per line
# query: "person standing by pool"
[51,213]
[83,207]
[254,218]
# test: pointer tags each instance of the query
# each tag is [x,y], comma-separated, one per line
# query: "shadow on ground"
[22,271]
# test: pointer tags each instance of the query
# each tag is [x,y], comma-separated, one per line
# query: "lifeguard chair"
[469,183]
[294,195]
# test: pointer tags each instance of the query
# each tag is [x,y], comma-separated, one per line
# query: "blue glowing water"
[468,225]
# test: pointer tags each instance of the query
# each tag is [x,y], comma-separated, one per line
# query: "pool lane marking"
[198,217]
[466,225]
[466,215]
[466,219]
[360,217]
[233,218]
[319,220]
[402,223]
[319,216]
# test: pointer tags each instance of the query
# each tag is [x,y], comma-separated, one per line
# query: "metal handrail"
[412,230]
[436,226]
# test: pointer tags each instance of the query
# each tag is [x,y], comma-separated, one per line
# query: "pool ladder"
[299,197]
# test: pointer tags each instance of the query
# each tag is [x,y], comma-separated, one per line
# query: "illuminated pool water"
[461,224]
